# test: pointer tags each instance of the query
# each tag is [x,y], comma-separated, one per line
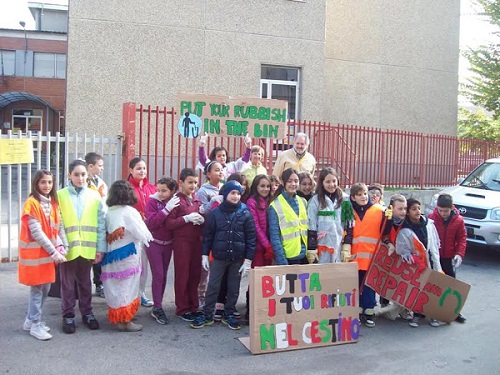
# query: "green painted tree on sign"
[483,88]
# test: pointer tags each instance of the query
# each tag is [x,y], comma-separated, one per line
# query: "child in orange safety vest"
[42,244]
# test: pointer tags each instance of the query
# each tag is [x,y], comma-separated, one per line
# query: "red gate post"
[128,130]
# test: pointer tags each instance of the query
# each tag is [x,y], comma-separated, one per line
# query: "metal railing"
[51,152]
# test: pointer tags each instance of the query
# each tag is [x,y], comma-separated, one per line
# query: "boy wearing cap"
[230,234]
[452,235]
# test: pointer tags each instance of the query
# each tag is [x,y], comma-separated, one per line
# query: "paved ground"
[389,348]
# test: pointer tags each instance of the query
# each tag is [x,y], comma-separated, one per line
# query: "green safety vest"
[81,234]
[293,227]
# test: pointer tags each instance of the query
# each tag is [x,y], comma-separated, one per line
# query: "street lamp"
[23,25]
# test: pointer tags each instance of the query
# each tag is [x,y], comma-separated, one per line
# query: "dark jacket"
[229,232]
[452,234]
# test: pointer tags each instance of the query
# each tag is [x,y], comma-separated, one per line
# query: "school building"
[33,72]
[383,64]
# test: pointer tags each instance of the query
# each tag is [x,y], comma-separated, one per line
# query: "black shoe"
[99,291]
[460,318]
[159,315]
[188,317]
[68,324]
[90,321]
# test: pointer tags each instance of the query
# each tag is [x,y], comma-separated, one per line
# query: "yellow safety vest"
[81,234]
[293,227]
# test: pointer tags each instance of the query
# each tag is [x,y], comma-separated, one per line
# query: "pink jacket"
[260,219]
[156,219]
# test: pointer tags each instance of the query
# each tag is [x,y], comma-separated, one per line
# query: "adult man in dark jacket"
[453,236]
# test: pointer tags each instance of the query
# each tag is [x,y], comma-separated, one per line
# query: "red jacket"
[175,221]
[452,234]
[143,193]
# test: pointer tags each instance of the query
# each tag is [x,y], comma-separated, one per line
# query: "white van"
[477,198]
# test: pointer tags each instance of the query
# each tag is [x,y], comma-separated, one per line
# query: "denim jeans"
[38,293]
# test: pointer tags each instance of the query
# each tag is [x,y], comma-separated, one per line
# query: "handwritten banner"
[425,291]
[306,306]
[226,116]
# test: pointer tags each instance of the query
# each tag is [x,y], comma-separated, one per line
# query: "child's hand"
[98,258]
[57,257]
[388,212]
[248,141]
[205,262]
[203,140]
[245,267]
[62,250]
[172,203]
[312,256]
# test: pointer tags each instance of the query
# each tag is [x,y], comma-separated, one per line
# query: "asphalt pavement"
[389,348]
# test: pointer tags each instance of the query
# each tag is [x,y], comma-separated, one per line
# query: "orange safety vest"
[420,250]
[366,234]
[394,233]
[35,264]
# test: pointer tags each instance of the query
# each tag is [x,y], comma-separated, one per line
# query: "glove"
[248,140]
[408,258]
[194,217]
[172,203]
[321,235]
[217,198]
[62,250]
[203,140]
[457,261]
[57,257]
[202,210]
[245,267]
[345,253]
[390,248]
[388,212]
[205,263]
[312,256]
[269,254]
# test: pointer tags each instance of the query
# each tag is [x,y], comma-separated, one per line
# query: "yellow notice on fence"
[16,151]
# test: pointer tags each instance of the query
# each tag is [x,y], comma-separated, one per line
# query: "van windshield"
[486,176]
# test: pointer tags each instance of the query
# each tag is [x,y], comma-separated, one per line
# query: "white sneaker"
[28,323]
[38,331]
[434,323]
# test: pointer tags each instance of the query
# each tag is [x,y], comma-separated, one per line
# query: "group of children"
[216,233]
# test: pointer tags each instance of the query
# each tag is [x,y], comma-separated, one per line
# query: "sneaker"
[405,315]
[38,331]
[99,291]
[460,318]
[188,317]
[28,324]
[129,327]
[90,321]
[202,321]
[159,316]
[68,324]
[434,323]
[414,322]
[231,322]
[145,301]
[368,321]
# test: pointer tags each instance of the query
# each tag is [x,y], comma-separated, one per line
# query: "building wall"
[200,46]
[393,64]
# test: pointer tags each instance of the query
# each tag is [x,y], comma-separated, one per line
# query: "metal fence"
[394,158]
[51,152]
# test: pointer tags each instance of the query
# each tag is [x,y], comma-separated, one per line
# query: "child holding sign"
[418,241]
[220,155]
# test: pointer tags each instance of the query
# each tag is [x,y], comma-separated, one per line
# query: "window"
[7,63]
[281,83]
[49,65]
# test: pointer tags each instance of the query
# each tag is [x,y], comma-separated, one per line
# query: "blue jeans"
[38,294]
[367,298]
